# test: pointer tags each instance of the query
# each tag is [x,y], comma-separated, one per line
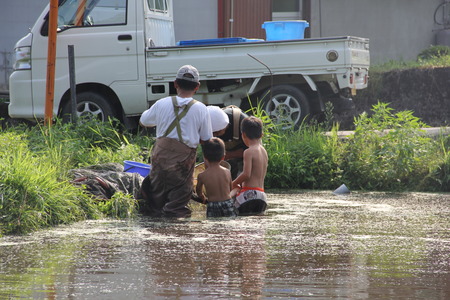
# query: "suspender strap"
[236,112]
[178,117]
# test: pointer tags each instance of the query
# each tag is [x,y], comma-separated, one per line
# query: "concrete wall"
[16,17]
[397,29]
[195,19]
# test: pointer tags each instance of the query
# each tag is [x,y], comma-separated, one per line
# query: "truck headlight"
[23,58]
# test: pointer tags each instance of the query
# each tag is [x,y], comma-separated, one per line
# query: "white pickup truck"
[126,58]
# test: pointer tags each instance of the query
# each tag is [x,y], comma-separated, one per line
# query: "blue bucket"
[136,167]
[285,30]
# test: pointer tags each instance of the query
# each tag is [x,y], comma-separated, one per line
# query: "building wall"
[398,30]
[16,17]
[195,19]
[247,18]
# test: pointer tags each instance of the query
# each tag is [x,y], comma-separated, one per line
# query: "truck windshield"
[91,12]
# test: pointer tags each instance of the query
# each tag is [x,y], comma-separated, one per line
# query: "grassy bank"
[404,159]
[35,189]
[432,57]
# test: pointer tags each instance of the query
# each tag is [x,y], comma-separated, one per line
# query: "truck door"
[103,33]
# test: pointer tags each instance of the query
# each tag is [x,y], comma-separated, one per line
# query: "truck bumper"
[21,100]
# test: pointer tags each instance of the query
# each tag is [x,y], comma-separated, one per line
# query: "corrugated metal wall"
[247,16]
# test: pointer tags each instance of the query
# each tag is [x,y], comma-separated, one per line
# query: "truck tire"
[90,106]
[286,105]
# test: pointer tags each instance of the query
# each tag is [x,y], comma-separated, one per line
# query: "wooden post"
[51,60]
[73,89]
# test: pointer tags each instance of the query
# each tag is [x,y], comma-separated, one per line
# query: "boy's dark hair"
[186,84]
[213,149]
[252,127]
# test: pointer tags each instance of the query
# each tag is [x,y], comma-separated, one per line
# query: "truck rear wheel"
[286,105]
[89,106]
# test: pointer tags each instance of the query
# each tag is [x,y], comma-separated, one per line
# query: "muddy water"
[307,246]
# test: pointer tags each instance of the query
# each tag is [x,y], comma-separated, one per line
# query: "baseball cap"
[189,73]
[219,119]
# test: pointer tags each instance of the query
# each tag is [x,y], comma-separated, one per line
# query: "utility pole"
[51,60]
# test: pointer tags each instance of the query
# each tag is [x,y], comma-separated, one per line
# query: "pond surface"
[308,245]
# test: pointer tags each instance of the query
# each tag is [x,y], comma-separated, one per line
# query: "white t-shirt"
[195,125]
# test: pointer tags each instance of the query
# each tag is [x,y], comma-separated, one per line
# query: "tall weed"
[33,196]
[438,178]
[388,151]
[34,189]
[120,206]
[302,158]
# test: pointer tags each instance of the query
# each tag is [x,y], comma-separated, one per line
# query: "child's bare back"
[255,165]
[217,182]
[255,156]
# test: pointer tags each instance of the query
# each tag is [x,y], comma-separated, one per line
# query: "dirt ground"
[425,92]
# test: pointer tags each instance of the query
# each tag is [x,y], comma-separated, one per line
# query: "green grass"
[433,57]
[35,190]
[402,159]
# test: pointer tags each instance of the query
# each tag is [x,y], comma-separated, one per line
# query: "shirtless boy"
[248,187]
[216,180]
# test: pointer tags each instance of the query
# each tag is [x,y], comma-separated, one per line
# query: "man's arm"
[234,154]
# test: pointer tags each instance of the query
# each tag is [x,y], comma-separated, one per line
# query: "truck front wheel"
[89,106]
[286,105]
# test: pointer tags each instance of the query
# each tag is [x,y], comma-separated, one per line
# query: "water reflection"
[308,245]
[221,260]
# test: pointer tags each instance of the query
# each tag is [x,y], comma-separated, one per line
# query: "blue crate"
[136,167]
[285,30]
[232,40]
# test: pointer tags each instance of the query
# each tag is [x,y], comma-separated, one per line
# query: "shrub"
[433,52]
[388,151]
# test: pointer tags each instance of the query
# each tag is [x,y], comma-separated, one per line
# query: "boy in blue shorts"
[216,180]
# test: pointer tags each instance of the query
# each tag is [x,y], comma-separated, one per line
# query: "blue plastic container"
[232,40]
[285,30]
[136,167]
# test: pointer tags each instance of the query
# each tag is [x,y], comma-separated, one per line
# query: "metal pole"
[51,59]
[73,87]
[231,18]
[306,15]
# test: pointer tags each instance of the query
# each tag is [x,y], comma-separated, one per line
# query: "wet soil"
[425,92]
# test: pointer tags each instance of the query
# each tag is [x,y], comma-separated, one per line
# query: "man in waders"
[226,125]
[181,124]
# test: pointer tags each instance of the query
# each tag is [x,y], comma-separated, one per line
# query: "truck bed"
[306,57]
